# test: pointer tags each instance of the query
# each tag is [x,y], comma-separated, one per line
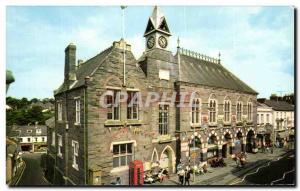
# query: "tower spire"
[157,31]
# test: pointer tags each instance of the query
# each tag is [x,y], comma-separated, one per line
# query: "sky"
[256,43]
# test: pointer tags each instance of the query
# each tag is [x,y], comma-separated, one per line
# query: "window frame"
[53,138]
[196,112]
[163,119]
[213,113]
[77,111]
[59,145]
[75,154]
[227,112]
[59,111]
[249,111]
[113,110]
[119,155]
[239,111]
[133,106]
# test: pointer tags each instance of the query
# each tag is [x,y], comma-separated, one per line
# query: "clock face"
[162,41]
[150,42]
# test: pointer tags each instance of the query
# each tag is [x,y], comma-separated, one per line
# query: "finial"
[178,43]
[219,61]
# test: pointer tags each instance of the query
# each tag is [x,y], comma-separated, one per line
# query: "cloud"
[256,43]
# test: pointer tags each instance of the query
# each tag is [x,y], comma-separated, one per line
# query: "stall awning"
[282,134]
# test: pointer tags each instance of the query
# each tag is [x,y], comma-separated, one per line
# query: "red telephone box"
[136,173]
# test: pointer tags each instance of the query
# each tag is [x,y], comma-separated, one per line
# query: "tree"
[34,100]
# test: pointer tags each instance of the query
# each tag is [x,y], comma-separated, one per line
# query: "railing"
[199,56]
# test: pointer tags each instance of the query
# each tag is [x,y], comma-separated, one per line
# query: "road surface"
[278,172]
[33,174]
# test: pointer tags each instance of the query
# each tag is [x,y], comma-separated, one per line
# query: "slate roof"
[280,105]
[203,72]
[50,122]
[22,131]
[85,69]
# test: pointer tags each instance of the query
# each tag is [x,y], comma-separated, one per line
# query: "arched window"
[239,111]
[196,118]
[212,111]
[249,111]
[195,142]
[227,111]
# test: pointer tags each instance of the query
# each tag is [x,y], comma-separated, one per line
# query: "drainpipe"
[85,130]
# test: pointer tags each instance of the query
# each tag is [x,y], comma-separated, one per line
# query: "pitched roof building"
[93,144]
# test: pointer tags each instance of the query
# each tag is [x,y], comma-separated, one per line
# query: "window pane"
[128,112]
[129,148]
[123,161]
[116,162]
[129,159]
[123,148]
[116,113]
[116,149]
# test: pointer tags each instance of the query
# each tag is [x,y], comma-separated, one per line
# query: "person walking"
[187,175]
[181,176]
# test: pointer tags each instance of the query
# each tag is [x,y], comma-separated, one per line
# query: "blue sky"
[256,43]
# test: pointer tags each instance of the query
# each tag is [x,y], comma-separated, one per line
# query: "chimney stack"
[70,62]
[79,62]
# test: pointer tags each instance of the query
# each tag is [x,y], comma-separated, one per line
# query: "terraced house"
[93,145]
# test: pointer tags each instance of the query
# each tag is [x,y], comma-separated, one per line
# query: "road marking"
[243,179]
[282,176]
[21,173]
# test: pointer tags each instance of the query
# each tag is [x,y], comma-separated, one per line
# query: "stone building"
[93,145]
[31,138]
[280,117]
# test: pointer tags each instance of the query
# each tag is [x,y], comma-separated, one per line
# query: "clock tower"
[157,31]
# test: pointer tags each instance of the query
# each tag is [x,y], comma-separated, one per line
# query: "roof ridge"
[97,54]
[198,56]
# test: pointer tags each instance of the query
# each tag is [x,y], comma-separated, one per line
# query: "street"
[33,174]
[261,169]
[278,172]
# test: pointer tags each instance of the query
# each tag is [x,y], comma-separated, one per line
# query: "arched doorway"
[239,142]
[226,146]
[167,159]
[250,141]
[212,147]
[194,152]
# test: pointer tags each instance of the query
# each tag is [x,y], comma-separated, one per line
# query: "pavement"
[33,174]
[230,174]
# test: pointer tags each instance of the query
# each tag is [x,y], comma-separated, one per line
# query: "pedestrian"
[187,175]
[181,176]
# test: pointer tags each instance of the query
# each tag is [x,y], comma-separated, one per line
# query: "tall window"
[53,138]
[262,118]
[249,111]
[75,147]
[132,105]
[113,110]
[239,111]
[28,140]
[59,111]
[77,111]
[268,118]
[227,111]
[212,111]
[59,140]
[196,112]
[163,119]
[122,154]
[257,118]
